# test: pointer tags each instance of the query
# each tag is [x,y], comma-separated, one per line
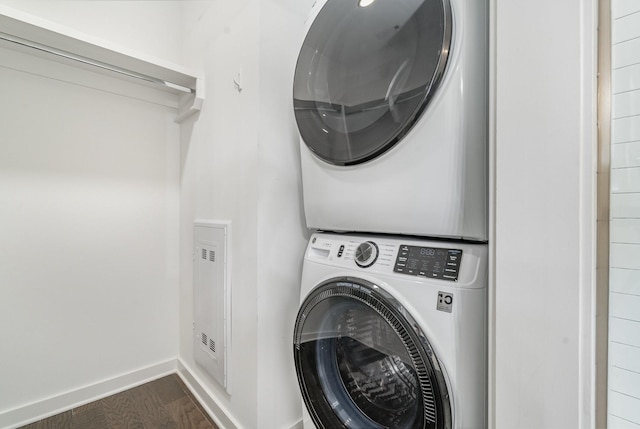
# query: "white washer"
[390,98]
[391,333]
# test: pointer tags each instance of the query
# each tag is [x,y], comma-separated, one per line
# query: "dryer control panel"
[431,262]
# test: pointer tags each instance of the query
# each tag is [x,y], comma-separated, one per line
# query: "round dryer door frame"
[366,72]
[363,361]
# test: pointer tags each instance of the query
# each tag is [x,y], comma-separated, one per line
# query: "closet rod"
[94,63]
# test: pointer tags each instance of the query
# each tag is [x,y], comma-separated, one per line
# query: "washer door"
[362,361]
[366,71]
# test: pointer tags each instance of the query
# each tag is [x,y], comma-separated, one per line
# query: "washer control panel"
[383,255]
[430,262]
[404,259]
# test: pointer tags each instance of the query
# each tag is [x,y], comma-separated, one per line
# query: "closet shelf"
[42,38]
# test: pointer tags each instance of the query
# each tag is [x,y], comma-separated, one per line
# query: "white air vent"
[211,299]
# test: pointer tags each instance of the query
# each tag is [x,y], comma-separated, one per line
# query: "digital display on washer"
[428,262]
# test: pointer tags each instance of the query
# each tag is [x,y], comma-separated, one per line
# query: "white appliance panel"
[450,314]
[433,180]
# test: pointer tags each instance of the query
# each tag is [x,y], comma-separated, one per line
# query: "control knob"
[366,254]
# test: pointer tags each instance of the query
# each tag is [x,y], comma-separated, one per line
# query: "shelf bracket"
[190,104]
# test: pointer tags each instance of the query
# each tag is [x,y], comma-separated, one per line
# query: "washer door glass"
[366,71]
[362,362]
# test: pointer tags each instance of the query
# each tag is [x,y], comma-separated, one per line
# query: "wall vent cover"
[211,299]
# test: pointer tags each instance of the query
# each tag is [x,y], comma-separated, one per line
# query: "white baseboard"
[221,416]
[66,401]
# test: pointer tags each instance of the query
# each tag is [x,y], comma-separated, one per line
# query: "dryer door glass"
[366,71]
[362,362]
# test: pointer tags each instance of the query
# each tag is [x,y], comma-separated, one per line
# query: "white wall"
[545,213]
[282,232]
[220,181]
[89,184]
[227,172]
[241,163]
[624,298]
[89,250]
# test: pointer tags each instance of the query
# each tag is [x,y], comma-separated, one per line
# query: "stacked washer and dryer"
[390,98]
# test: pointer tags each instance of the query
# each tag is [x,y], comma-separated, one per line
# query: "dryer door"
[366,71]
[362,361]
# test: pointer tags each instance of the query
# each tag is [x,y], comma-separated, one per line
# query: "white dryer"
[391,333]
[390,99]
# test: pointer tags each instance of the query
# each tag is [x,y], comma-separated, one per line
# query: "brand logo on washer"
[445,302]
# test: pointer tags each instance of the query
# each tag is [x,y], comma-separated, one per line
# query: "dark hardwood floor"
[165,403]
